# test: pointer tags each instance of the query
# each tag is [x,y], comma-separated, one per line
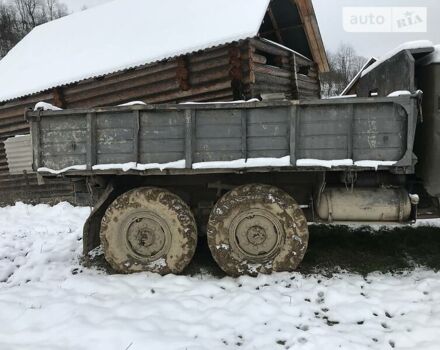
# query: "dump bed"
[336,134]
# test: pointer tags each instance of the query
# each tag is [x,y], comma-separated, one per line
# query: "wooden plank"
[350,131]
[117,147]
[208,54]
[91,140]
[273,71]
[294,80]
[220,145]
[136,131]
[267,47]
[154,157]
[260,59]
[294,114]
[268,143]
[60,148]
[147,72]
[272,79]
[190,122]
[119,87]
[267,130]
[275,25]
[313,34]
[207,77]
[216,156]
[36,143]
[209,64]
[244,125]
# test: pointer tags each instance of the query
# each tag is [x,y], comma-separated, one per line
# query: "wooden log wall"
[274,69]
[237,71]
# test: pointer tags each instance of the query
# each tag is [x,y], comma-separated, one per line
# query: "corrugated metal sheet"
[19,154]
[24,187]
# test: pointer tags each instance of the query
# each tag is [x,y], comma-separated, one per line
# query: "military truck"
[249,176]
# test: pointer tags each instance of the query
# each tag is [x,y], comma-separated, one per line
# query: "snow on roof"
[420,46]
[122,34]
[432,58]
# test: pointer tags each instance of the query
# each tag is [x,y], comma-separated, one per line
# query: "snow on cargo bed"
[49,301]
[233,164]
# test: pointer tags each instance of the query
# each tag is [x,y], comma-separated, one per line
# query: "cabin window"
[305,70]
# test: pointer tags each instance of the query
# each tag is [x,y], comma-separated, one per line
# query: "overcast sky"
[329,13]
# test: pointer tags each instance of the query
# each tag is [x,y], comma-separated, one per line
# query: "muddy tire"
[148,229]
[257,229]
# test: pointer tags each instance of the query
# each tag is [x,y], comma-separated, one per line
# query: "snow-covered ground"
[49,301]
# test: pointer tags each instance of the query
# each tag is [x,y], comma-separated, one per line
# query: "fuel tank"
[364,205]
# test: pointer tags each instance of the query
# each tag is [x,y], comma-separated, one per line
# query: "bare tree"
[53,10]
[19,17]
[8,28]
[345,63]
[30,13]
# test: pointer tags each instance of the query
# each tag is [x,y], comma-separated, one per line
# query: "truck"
[246,176]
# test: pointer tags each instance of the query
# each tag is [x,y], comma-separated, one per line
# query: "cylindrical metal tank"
[364,204]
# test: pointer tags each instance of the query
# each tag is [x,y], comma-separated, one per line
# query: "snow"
[233,164]
[180,164]
[341,96]
[133,103]
[432,58]
[46,107]
[221,102]
[323,163]
[399,93]
[48,301]
[122,34]
[245,163]
[58,172]
[410,45]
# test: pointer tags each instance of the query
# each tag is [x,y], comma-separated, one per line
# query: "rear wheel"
[257,229]
[148,229]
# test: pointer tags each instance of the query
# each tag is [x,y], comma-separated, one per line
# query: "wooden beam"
[58,98]
[182,73]
[275,25]
[295,27]
[313,34]
[236,72]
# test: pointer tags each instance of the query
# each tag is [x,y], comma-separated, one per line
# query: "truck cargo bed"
[336,134]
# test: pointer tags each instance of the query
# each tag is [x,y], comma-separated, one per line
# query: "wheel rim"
[147,235]
[256,234]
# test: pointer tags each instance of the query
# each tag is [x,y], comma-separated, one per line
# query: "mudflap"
[92,225]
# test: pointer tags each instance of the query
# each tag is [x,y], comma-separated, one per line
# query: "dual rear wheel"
[252,229]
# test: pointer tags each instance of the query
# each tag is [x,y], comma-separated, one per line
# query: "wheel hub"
[147,235]
[257,234]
